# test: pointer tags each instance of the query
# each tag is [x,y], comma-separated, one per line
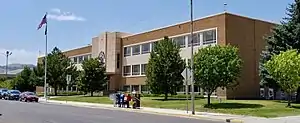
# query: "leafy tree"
[285,69]
[23,81]
[57,66]
[5,83]
[94,76]
[164,68]
[217,66]
[284,36]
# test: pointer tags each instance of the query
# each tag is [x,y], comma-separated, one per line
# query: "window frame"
[125,51]
[139,70]
[196,36]
[149,48]
[80,61]
[143,71]
[176,41]
[210,40]
[134,48]
[126,73]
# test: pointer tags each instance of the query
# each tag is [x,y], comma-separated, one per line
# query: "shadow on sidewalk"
[232,106]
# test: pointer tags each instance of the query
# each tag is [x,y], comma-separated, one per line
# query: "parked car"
[3,93]
[29,97]
[12,95]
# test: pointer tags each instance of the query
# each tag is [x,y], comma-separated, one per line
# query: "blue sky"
[73,23]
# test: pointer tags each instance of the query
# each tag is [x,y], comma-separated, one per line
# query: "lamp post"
[192,59]
[7,53]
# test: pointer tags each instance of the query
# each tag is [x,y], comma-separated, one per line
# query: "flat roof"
[213,15]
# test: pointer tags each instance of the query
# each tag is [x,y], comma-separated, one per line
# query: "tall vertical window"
[86,57]
[80,59]
[136,50]
[135,69]
[180,41]
[127,70]
[144,68]
[154,44]
[196,39]
[127,51]
[145,48]
[118,61]
[209,37]
[75,60]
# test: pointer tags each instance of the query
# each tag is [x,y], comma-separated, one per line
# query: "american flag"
[44,21]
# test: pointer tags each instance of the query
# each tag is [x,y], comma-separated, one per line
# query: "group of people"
[122,100]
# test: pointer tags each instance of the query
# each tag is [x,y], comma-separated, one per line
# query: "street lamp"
[192,59]
[8,53]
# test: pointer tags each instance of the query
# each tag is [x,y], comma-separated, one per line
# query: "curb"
[147,112]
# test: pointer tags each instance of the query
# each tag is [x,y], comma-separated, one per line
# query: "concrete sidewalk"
[182,113]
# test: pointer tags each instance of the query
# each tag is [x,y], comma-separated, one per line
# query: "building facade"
[126,55]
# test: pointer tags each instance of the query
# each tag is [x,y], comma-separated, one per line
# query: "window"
[135,69]
[154,44]
[118,61]
[144,67]
[136,50]
[86,57]
[180,41]
[75,60]
[196,39]
[80,59]
[127,51]
[209,37]
[145,48]
[127,71]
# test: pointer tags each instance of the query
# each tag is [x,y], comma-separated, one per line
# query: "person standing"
[128,100]
[122,100]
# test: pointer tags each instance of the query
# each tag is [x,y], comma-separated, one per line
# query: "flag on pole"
[44,21]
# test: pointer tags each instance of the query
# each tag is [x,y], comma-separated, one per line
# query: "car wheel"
[25,100]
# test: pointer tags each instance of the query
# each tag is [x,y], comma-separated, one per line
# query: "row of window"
[80,59]
[207,37]
[133,70]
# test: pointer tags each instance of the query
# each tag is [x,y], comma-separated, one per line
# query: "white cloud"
[57,14]
[19,56]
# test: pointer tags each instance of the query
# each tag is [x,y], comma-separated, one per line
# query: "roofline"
[208,16]
[68,50]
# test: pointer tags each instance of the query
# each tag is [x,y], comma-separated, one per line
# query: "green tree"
[23,81]
[217,66]
[284,36]
[164,68]
[285,69]
[6,83]
[57,67]
[94,76]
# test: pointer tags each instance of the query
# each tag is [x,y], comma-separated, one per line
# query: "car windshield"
[4,90]
[15,92]
[30,93]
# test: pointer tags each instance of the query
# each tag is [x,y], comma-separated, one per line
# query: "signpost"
[68,82]
[186,74]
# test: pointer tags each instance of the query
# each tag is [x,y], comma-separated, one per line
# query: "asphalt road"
[22,112]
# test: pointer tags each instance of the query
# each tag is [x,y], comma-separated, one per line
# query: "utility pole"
[192,60]
[7,54]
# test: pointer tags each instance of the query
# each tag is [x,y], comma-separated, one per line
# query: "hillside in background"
[13,67]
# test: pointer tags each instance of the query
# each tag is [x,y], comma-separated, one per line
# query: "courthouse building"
[126,55]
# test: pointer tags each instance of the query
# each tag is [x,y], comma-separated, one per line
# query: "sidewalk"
[182,113]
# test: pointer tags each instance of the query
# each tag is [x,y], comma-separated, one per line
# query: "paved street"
[21,112]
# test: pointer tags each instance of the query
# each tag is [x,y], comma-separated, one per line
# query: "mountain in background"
[13,67]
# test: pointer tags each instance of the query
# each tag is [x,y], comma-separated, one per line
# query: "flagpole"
[45,81]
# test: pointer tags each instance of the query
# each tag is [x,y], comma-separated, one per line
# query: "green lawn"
[261,108]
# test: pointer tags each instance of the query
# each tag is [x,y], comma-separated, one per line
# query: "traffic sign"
[68,79]
[186,74]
